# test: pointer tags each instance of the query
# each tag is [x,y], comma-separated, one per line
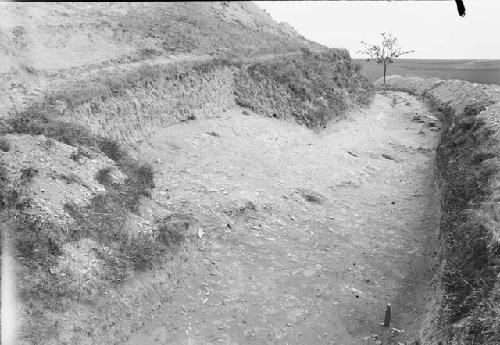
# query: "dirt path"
[305,237]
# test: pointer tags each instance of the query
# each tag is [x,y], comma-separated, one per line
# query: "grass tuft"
[27,174]
[103,177]
[4,145]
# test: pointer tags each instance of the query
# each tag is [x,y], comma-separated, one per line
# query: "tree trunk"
[385,70]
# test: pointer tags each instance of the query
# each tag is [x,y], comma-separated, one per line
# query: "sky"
[432,28]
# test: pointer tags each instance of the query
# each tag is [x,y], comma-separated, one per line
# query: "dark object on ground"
[388,314]
[416,118]
[312,196]
[214,134]
[352,154]
[386,156]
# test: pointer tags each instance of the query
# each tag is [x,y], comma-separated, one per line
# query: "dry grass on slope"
[312,88]
[49,248]
[64,35]
[42,44]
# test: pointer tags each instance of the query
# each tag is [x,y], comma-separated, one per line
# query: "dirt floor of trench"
[303,238]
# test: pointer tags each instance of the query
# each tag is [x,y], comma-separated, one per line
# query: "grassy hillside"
[43,36]
[477,71]
[44,45]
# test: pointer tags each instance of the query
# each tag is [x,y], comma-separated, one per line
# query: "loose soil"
[301,238]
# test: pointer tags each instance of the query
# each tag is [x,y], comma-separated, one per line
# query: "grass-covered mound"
[312,88]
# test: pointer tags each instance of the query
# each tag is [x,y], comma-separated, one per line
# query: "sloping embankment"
[468,292]
[74,190]
[128,106]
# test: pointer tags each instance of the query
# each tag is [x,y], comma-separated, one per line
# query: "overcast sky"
[432,28]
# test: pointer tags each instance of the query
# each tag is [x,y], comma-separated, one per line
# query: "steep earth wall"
[468,284]
[130,109]
[134,113]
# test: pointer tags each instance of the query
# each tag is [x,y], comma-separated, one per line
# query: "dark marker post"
[388,314]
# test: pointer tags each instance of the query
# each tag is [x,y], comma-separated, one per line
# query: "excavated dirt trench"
[299,238]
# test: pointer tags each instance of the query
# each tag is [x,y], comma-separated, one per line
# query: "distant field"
[478,71]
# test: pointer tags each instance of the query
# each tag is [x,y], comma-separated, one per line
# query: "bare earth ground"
[305,237]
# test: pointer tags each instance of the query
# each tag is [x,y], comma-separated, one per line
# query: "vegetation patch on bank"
[97,228]
[312,88]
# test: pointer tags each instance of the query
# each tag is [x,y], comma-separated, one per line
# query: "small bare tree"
[386,52]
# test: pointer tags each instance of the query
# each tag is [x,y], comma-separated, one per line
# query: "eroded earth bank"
[467,295]
[305,237]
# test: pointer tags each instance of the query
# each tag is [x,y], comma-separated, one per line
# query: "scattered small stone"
[200,233]
[431,118]
[219,324]
[309,272]
[214,134]
[386,156]
[396,331]
[245,112]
